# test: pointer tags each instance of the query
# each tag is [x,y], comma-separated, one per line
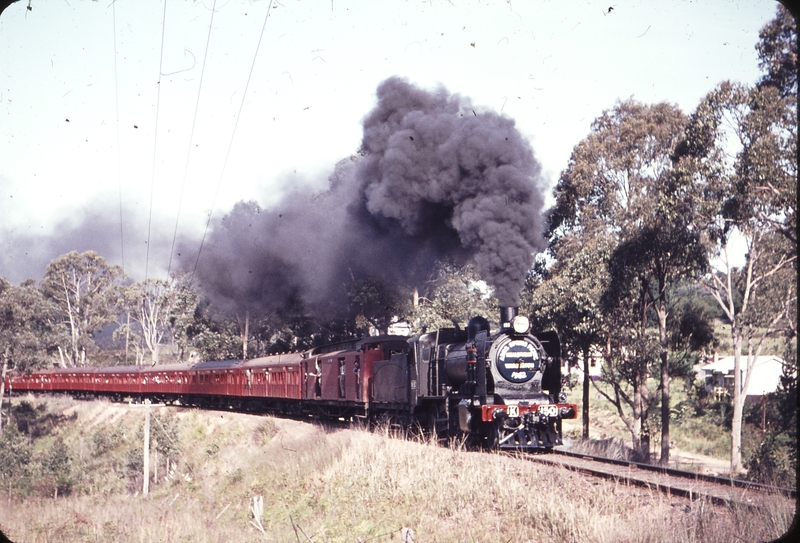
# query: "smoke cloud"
[435,179]
[27,249]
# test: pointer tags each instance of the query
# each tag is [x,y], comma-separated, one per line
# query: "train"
[499,389]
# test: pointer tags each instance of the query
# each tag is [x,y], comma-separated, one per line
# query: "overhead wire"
[155,142]
[230,144]
[191,139]
[119,159]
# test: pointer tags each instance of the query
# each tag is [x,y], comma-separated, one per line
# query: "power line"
[230,144]
[191,138]
[155,141]
[119,159]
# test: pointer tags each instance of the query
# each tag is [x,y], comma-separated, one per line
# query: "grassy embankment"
[328,485]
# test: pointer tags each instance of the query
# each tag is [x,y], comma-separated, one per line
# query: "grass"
[698,435]
[341,485]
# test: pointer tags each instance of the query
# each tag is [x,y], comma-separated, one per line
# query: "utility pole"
[146,480]
[146,468]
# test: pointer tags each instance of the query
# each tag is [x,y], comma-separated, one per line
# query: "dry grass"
[350,485]
[695,435]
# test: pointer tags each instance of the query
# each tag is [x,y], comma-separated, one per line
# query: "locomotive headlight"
[520,324]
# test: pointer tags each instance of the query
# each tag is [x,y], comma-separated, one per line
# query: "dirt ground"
[697,462]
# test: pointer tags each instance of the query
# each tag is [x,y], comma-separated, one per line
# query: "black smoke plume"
[435,179]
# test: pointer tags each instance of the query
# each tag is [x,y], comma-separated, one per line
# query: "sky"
[113,142]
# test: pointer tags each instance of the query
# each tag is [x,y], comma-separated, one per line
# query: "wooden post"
[3,387]
[146,453]
[155,464]
[146,482]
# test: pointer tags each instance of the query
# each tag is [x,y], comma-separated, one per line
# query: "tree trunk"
[661,312]
[246,334]
[3,386]
[61,357]
[155,461]
[738,406]
[641,447]
[585,408]
[664,409]
[127,335]
[636,431]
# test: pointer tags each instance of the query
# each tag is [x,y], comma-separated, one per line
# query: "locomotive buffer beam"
[524,426]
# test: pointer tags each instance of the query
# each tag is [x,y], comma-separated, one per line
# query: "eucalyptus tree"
[620,186]
[85,291]
[741,152]
[453,295]
[375,305]
[26,329]
[151,304]
[565,296]
[777,52]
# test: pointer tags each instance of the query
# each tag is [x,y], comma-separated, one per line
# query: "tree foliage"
[565,296]
[620,193]
[375,305]
[15,457]
[27,329]
[85,290]
[740,152]
[777,52]
[151,304]
[453,296]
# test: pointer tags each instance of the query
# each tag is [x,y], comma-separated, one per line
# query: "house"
[718,375]
[575,366]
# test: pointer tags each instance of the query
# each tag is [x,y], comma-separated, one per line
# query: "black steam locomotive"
[501,390]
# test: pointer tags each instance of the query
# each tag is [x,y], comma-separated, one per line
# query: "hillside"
[317,484]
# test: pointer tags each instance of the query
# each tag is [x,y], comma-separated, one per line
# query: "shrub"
[15,457]
[56,468]
[770,462]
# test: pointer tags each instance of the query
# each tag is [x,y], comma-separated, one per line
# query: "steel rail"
[726,481]
[719,490]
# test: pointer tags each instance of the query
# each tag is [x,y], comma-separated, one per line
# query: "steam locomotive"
[500,390]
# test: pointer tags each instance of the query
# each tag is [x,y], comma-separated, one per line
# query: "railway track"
[719,490]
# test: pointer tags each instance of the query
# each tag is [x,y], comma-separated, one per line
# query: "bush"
[698,397]
[26,414]
[15,457]
[56,469]
[770,462]
[105,441]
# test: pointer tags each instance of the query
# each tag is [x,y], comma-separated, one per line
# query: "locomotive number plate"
[512,410]
[548,410]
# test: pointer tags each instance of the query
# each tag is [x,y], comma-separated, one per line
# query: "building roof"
[766,377]
[725,363]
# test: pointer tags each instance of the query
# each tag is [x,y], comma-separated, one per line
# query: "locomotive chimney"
[507,314]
